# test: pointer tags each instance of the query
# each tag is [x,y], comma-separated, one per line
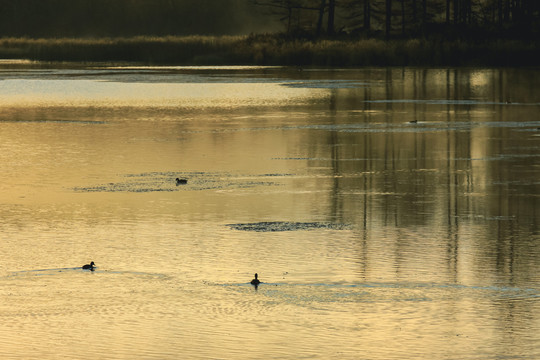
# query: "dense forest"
[409,18]
[360,18]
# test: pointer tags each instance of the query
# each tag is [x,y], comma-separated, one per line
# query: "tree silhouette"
[302,16]
[518,19]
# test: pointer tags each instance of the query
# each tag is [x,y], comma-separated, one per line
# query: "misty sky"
[90,18]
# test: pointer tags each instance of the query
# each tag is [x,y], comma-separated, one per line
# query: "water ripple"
[382,292]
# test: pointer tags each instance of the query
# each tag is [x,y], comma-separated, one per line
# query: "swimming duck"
[89,266]
[181,181]
[256,280]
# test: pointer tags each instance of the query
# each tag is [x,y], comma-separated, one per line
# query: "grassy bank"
[273,50]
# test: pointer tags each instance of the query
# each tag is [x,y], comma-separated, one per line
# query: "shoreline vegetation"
[273,49]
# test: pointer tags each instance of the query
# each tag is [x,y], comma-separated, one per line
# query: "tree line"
[412,18]
[313,18]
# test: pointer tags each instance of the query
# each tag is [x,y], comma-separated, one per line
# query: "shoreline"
[272,50]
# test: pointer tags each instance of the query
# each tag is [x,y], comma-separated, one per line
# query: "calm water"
[390,213]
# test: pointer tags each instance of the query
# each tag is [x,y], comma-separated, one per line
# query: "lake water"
[390,213]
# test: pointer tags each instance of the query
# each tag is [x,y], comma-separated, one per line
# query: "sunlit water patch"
[379,230]
[166,90]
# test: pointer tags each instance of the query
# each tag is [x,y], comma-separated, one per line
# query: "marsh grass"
[138,49]
[272,50]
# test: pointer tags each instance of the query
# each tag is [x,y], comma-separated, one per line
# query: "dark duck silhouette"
[89,266]
[256,280]
[181,181]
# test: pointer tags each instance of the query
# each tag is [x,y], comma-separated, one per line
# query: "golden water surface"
[390,213]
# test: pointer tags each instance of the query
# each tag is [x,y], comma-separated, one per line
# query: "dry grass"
[271,50]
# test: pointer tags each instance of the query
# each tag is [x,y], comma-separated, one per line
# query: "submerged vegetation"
[273,50]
